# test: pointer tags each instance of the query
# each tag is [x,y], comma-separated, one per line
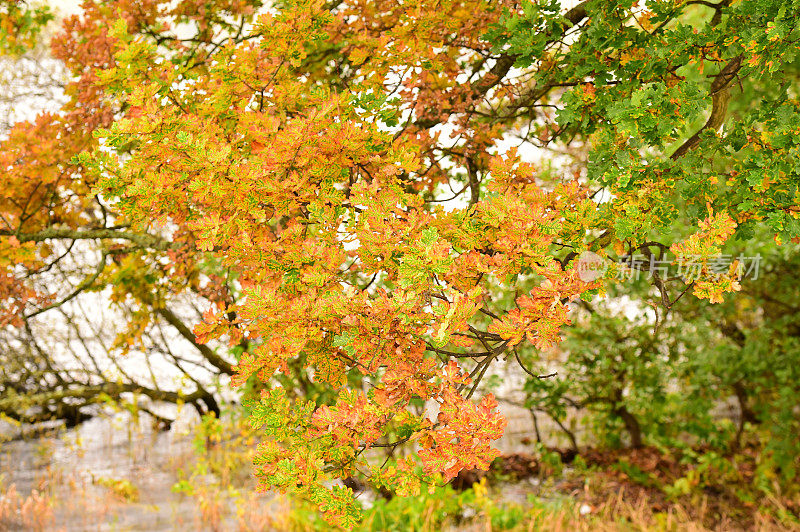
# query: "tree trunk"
[632,426]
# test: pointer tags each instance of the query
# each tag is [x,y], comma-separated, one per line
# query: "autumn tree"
[67,253]
[388,197]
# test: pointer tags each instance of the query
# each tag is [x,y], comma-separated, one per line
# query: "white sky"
[65,7]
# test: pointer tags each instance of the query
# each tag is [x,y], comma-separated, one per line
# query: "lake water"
[72,466]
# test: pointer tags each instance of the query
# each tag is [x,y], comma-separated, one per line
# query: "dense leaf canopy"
[387,197]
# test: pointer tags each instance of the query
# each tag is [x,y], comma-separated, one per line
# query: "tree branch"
[720,95]
[208,353]
[142,239]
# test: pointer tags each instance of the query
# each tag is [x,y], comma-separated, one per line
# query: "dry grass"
[617,514]
[32,512]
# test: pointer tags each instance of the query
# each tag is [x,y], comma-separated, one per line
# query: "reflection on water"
[72,466]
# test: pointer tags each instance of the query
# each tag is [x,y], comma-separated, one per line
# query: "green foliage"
[434,510]
[120,487]
[665,380]
[20,25]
